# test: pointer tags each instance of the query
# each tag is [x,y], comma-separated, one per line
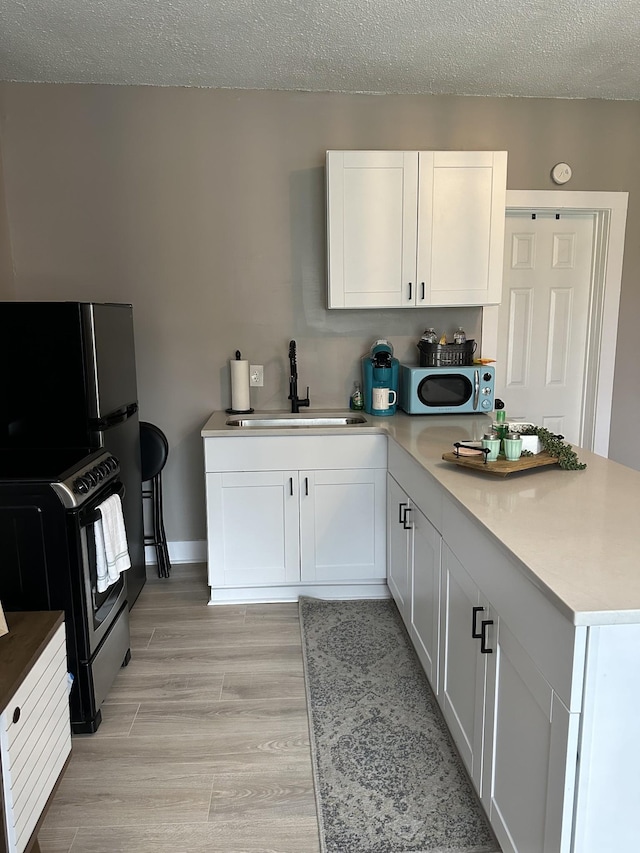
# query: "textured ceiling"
[538,48]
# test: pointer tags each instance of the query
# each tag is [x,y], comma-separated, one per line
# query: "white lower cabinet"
[492,647]
[514,734]
[274,534]
[35,732]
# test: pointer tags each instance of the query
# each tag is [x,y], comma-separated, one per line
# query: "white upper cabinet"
[415,228]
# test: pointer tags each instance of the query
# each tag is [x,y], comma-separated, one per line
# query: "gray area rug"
[387,776]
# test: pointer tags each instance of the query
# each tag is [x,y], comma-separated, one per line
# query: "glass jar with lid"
[429,336]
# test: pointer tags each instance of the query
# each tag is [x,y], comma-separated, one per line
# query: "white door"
[425,599]
[253,528]
[462,667]
[531,749]
[342,525]
[461,227]
[543,320]
[372,209]
[400,547]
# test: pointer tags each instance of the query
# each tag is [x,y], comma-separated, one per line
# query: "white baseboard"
[194,551]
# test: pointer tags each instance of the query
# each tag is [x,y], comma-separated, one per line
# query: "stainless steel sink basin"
[282,421]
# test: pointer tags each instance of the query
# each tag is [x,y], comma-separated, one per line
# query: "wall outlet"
[256,375]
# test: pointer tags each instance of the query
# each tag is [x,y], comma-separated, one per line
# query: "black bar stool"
[154,450]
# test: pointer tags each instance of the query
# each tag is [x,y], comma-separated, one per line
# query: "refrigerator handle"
[114,417]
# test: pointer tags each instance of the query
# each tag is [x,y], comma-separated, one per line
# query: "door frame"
[610,212]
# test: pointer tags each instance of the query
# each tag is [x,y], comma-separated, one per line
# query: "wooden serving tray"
[502,467]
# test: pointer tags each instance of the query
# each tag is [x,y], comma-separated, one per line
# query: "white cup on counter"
[383,398]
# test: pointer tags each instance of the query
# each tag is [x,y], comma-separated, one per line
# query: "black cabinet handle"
[291,486]
[306,485]
[16,714]
[404,520]
[401,513]
[409,291]
[477,635]
[422,286]
[484,648]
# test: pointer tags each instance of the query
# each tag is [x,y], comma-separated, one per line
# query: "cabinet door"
[342,525]
[530,754]
[425,597]
[461,218]
[372,228]
[400,547]
[463,667]
[252,527]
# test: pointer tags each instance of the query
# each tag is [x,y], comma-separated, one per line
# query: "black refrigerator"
[68,380]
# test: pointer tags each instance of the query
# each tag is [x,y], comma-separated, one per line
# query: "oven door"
[102,607]
[449,390]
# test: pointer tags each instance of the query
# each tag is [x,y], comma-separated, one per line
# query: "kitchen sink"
[283,421]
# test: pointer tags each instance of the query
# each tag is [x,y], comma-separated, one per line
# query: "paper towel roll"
[240,385]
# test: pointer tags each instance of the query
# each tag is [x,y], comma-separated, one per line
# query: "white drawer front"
[283,452]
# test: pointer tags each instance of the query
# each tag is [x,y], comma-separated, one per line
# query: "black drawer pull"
[409,291]
[477,635]
[291,486]
[484,648]
[16,714]
[306,485]
[401,513]
[404,520]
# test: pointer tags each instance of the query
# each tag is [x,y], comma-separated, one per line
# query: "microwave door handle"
[476,389]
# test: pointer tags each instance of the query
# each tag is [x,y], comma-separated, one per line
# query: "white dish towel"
[112,551]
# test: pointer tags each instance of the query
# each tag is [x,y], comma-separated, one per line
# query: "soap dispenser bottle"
[357,400]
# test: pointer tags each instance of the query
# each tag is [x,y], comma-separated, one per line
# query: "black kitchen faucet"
[296,402]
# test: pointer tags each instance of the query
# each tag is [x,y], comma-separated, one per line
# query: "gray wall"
[205,209]
[6,264]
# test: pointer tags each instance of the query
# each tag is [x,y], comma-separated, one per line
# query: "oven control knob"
[81,485]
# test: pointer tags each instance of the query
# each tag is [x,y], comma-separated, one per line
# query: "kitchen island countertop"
[576,534]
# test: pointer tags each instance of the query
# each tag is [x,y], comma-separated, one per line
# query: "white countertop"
[576,533]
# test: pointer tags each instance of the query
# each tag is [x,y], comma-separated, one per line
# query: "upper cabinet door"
[461,218]
[372,203]
[410,229]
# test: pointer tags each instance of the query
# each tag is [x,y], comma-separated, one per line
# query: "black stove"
[50,501]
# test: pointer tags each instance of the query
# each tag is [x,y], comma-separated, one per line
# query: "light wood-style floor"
[204,744]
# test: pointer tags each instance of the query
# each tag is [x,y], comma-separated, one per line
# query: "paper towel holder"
[231,411]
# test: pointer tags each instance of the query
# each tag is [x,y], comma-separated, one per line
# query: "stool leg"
[164,566]
[163,536]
